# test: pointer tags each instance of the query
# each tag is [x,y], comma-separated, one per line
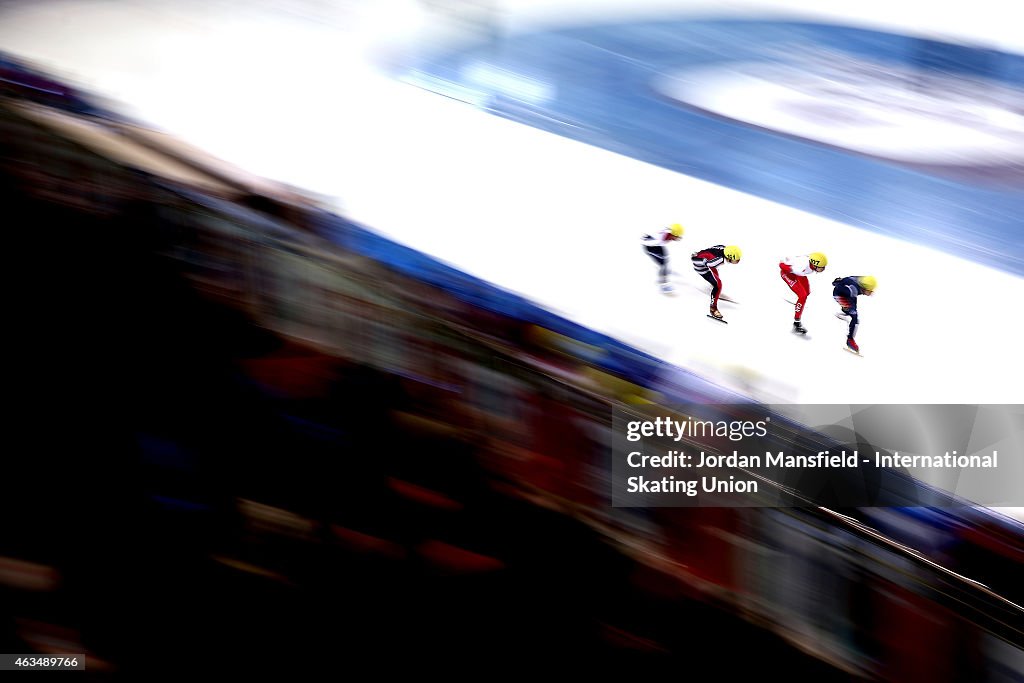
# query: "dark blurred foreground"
[139,434]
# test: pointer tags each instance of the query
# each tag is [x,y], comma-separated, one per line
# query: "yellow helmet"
[818,260]
[733,254]
[867,283]
[676,230]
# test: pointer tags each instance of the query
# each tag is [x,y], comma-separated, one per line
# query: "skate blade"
[719,320]
[849,350]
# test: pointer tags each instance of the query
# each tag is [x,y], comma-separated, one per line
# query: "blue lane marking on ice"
[596,84]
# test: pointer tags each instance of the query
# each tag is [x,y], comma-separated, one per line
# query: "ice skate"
[851,346]
[798,328]
[716,315]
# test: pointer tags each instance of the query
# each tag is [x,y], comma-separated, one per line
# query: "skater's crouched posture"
[845,292]
[706,262]
[654,246]
[794,271]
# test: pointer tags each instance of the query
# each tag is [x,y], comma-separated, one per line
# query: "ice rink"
[287,95]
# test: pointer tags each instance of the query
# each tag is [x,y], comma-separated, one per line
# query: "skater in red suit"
[794,271]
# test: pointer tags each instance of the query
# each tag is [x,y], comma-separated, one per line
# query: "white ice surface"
[554,220]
